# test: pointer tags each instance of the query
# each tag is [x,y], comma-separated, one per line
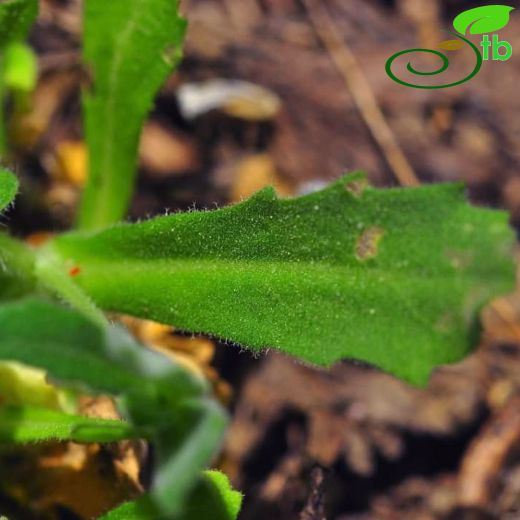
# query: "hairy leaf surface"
[130,46]
[27,424]
[393,277]
[213,498]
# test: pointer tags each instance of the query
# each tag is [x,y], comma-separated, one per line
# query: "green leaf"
[8,188]
[131,46]
[129,511]
[160,400]
[20,68]
[481,20]
[16,18]
[26,424]
[78,351]
[51,275]
[62,342]
[212,498]
[393,277]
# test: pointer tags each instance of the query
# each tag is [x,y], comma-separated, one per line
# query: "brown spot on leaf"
[367,243]
[356,187]
[170,55]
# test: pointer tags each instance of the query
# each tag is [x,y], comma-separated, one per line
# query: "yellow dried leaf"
[71,162]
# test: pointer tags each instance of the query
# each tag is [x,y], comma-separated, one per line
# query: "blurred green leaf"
[16,18]
[20,67]
[26,386]
[130,46]
[481,20]
[393,277]
[8,188]
[160,400]
[213,498]
[25,424]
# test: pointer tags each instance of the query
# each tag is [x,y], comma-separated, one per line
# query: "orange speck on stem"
[74,271]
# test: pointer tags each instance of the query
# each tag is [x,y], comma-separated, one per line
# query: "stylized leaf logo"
[481,20]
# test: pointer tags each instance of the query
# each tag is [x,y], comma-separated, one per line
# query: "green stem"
[16,268]
[54,275]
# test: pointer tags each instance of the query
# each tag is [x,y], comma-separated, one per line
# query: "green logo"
[480,20]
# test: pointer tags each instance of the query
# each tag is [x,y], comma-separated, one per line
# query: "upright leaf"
[130,47]
[481,20]
[393,277]
[8,188]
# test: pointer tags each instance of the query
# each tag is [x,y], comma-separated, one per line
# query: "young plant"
[160,401]
[394,277]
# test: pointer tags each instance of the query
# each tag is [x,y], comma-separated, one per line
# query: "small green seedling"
[394,277]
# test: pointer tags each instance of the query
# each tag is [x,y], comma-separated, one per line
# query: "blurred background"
[294,93]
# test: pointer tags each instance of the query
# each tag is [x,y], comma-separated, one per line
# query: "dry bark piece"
[487,455]
[315,507]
